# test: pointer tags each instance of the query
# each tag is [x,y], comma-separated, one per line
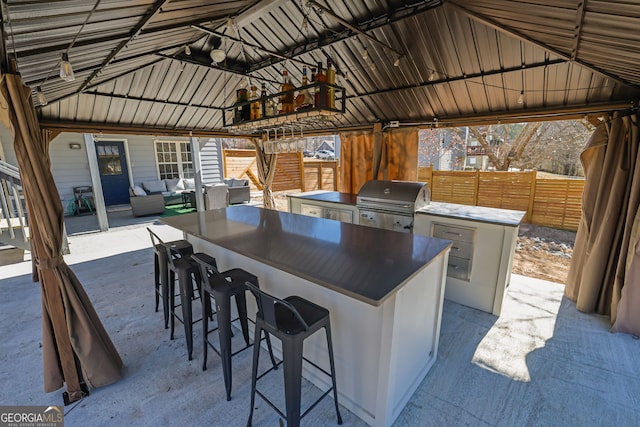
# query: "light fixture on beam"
[42,99]
[432,75]
[217,55]
[521,98]
[66,70]
[396,63]
[365,54]
[187,50]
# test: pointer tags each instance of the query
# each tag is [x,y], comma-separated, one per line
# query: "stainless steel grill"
[391,204]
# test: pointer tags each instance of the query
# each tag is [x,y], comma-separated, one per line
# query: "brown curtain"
[402,154]
[602,276]
[266,164]
[384,155]
[75,346]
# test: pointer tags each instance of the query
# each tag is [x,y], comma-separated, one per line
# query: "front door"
[114,176]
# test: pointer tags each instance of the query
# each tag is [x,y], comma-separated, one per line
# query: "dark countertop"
[328,196]
[365,263]
[505,217]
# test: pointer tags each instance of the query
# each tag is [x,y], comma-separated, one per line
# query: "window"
[109,160]
[174,159]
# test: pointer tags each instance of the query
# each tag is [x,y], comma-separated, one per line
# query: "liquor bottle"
[331,79]
[321,90]
[241,112]
[256,108]
[286,99]
[263,101]
[304,99]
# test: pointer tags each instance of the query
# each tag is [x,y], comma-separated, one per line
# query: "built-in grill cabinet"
[391,204]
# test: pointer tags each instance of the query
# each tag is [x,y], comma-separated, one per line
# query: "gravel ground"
[543,253]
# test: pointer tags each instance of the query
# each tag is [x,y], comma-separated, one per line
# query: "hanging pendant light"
[217,55]
[521,98]
[42,99]
[66,70]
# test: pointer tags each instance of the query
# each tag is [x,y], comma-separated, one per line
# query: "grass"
[174,210]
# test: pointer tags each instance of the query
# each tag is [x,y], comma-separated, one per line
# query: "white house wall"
[70,167]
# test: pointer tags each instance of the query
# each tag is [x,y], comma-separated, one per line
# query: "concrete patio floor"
[542,363]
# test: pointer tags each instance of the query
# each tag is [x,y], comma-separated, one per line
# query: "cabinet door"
[311,210]
[338,214]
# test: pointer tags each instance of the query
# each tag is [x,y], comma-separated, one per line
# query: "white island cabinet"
[481,257]
[384,291]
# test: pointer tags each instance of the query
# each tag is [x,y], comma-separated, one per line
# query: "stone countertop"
[505,217]
[365,263]
[328,196]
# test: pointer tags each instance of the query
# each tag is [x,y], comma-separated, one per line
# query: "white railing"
[13,220]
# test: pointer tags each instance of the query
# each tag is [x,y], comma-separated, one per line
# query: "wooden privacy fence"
[292,172]
[548,202]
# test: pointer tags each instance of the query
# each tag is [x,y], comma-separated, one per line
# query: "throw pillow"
[174,185]
[189,183]
[154,186]
[138,191]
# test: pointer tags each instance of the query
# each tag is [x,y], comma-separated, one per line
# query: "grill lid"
[404,196]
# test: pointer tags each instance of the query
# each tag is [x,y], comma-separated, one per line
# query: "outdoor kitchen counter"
[343,257]
[484,243]
[328,196]
[504,217]
[384,291]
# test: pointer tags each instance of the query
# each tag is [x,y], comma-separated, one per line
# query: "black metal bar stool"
[223,286]
[161,268]
[187,271]
[292,320]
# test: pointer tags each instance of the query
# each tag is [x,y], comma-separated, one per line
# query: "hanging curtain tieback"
[50,263]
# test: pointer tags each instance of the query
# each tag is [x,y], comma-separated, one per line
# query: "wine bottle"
[304,99]
[263,100]
[321,90]
[256,111]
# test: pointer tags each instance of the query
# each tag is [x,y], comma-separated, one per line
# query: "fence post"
[477,188]
[532,197]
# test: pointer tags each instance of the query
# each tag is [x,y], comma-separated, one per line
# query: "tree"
[504,144]
[557,147]
[434,144]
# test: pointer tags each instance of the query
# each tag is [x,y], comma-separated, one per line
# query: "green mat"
[173,210]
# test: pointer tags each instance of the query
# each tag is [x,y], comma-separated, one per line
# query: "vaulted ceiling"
[431,62]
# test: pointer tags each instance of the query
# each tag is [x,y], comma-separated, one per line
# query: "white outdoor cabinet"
[481,257]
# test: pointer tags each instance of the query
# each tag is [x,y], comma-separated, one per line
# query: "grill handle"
[377,203]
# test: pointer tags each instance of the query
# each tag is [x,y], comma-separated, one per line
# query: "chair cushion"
[189,183]
[154,186]
[138,191]
[236,182]
[174,185]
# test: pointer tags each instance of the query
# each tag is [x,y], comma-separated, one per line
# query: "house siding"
[211,161]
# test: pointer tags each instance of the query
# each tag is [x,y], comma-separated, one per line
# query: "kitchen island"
[384,291]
